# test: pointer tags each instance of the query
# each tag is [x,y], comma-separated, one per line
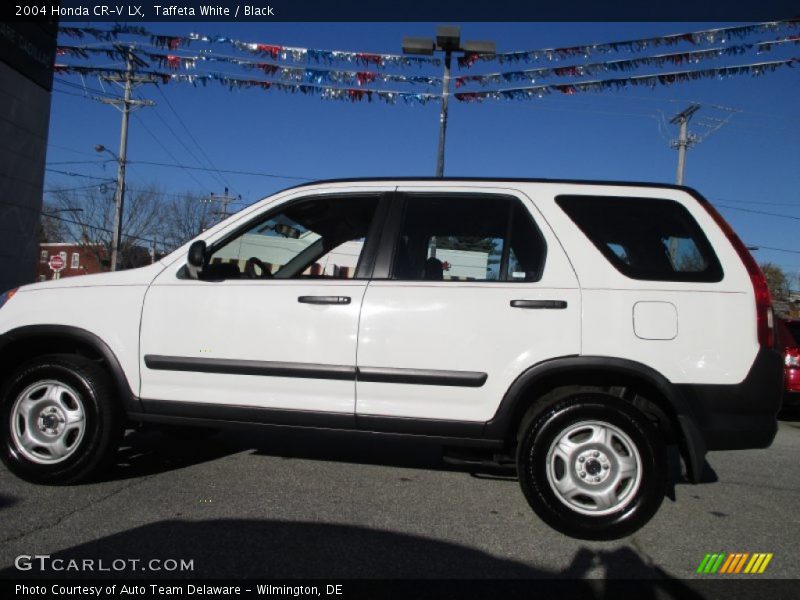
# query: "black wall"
[27,53]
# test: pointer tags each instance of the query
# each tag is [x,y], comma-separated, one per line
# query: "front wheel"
[59,422]
[592,466]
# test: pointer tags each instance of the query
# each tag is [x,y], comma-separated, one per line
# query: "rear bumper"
[791,400]
[740,416]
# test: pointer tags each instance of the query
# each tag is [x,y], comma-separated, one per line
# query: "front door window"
[320,238]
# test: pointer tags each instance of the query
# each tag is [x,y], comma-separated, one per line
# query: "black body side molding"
[248,367]
[315,371]
[200,414]
[422,376]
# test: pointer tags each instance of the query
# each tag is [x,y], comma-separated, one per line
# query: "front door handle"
[324,299]
[556,304]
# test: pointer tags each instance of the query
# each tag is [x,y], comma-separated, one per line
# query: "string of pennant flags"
[679,58]
[274,51]
[172,63]
[663,79]
[297,74]
[719,35]
[362,78]
[232,82]
[393,97]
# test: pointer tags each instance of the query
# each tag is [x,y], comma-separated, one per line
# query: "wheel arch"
[24,343]
[602,372]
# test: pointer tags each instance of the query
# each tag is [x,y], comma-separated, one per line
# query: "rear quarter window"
[645,238]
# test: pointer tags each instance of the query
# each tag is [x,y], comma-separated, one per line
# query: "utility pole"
[225,201]
[684,141]
[126,105]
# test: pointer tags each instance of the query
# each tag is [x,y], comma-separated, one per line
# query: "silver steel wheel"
[48,422]
[594,468]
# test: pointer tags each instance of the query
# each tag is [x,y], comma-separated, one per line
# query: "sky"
[747,166]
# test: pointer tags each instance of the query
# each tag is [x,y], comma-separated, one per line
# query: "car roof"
[598,182]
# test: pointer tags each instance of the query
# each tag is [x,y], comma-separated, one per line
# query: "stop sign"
[56,262]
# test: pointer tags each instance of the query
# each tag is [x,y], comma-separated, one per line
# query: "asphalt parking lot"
[304,504]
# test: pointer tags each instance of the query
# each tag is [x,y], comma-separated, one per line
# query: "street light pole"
[448,40]
[443,114]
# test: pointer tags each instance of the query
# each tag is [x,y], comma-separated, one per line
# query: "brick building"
[78,260]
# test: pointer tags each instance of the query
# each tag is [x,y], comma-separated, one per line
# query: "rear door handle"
[556,304]
[324,299]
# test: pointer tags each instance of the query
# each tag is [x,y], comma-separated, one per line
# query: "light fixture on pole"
[448,40]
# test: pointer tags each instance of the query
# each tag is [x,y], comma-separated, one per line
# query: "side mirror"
[196,259]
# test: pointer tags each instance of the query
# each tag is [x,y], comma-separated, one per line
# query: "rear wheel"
[59,422]
[592,466]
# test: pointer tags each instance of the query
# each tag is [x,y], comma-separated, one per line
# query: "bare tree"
[52,228]
[777,281]
[93,226]
[186,216]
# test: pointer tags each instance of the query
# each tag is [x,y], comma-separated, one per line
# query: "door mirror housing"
[196,259]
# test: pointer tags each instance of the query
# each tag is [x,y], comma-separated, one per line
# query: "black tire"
[552,423]
[103,419]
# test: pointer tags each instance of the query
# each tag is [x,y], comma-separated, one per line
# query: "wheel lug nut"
[582,459]
[582,474]
[605,466]
[597,479]
[595,454]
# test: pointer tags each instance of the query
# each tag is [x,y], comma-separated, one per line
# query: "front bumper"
[740,416]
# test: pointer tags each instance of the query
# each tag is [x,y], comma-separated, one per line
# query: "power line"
[85,88]
[224,181]
[79,223]
[179,166]
[72,174]
[136,188]
[760,247]
[758,212]
[60,91]
[185,147]
[72,189]
[172,156]
[81,162]
[794,204]
[231,171]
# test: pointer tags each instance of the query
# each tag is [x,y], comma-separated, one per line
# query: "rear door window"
[645,238]
[468,238]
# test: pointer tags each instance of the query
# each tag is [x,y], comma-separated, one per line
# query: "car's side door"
[476,290]
[271,322]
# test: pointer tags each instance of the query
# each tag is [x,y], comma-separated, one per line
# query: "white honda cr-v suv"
[576,328]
